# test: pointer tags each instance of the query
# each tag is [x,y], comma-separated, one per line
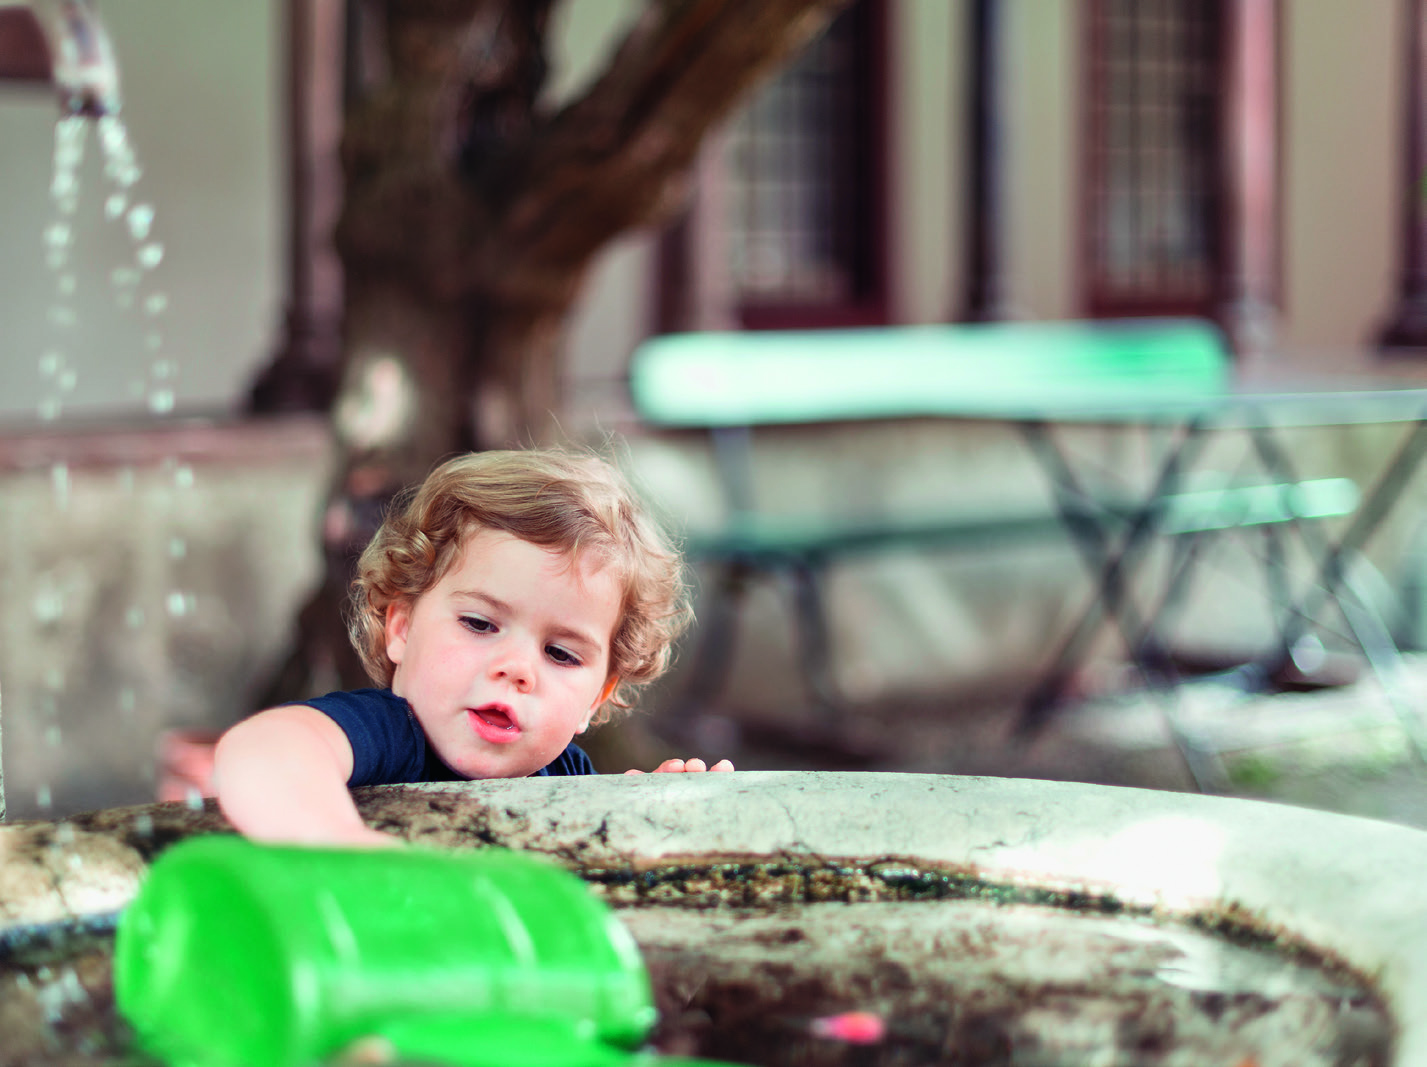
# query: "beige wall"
[201,80]
[1041,105]
[1342,76]
[927,97]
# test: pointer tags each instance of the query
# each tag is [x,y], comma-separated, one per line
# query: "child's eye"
[477,625]
[562,656]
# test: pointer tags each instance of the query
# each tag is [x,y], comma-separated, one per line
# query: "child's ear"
[398,621]
[605,694]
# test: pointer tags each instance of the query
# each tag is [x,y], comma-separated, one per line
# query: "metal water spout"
[81,62]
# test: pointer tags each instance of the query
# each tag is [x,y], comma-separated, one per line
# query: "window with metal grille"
[798,212]
[1154,236]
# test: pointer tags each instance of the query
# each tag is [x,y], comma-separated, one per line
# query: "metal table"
[1114,548]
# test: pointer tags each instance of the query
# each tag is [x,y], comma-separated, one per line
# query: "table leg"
[1091,532]
[1332,582]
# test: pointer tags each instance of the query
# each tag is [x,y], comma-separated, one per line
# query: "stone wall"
[148,579]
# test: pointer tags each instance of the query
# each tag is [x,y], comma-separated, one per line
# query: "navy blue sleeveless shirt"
[389,746]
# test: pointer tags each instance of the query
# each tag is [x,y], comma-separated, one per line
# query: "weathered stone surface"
[1324,889]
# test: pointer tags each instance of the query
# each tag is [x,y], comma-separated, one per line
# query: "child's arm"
[677,766]
[281,775]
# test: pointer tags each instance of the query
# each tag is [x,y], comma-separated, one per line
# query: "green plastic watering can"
[235,954]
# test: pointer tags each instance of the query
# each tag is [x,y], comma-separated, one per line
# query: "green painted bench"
[732,385]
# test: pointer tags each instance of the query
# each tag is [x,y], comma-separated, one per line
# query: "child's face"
[506,658]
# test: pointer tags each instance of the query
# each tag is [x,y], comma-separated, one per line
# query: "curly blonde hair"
[557,498]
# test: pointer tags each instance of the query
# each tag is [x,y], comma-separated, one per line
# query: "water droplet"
[68,380]
[54,737]
[48,605]
[71,132]
[50,363]
[58,235]
[141,220]
[151,255]
[177,604]
[183,477]
[177,548]
[157,304]
[63,184]
[45,800]
[112,133]
[114,206]
[134,617]
[123,277]
[49,409]
[163,368]
[67,284]
[59,485]
[161,401]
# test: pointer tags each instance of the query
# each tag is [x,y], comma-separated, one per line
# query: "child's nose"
[514,665]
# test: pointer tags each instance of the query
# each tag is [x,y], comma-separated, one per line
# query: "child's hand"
[677,766]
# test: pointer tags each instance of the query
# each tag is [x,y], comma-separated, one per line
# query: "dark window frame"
[870,304]
[1098,299]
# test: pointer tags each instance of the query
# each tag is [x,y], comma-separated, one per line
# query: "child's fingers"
[695,765]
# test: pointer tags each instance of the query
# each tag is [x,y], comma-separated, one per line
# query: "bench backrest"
[1061,370]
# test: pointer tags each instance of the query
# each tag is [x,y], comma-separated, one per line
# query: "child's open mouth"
[495,723]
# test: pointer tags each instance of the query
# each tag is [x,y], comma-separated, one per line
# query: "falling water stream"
[141,306]
[130,282]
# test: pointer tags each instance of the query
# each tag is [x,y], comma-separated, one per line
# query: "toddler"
[513,600]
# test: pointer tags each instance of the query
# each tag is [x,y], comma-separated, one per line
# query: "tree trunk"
[470,221]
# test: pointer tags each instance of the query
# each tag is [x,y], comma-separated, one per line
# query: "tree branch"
[619,157]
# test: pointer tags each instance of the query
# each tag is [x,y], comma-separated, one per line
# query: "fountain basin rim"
[1348,888]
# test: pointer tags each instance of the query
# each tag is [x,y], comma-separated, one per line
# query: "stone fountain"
[973,920]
